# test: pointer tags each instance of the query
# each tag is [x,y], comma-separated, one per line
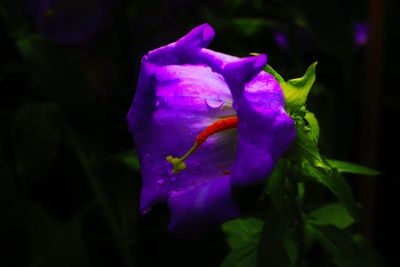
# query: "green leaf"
[240,231]
[333,214]
[292,251]
[337,185]
[296,90]
[312,125]
[246,256]
[306,144]
[129,158]
[276,75]
[306,152]
[344,250]
[347,167]
[243,237]
[36,135]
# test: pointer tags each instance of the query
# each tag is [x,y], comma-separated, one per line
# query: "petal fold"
[199,37]
[238,73]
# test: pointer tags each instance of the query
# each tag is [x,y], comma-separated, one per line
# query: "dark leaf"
[36,136]
[343,248]
[333,214]
[52,243]
[242,236]
[241,231]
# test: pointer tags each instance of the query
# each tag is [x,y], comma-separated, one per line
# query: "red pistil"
[218,126]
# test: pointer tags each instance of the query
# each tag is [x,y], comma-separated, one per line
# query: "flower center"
[216,127]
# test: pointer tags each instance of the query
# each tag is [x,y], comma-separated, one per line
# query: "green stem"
[100,196]
[297,208]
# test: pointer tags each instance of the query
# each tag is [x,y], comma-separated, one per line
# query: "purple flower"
[360,33]
[71,21]
[202,122]
[281,40]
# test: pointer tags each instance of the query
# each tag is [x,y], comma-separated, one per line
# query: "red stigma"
[216,127]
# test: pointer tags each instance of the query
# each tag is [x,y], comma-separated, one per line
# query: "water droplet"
[173,178]
[160,181]
[214,103]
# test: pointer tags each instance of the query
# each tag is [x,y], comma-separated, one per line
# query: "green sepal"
[347,167]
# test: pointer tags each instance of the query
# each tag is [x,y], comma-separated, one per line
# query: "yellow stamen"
[216,127]
[179,163]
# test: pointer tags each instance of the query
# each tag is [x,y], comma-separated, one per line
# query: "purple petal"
[184,50]
[172,105]
[199,37]
[241,71]
[265,130]
[200,206]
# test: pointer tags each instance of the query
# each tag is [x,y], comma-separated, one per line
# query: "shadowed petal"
[200,206]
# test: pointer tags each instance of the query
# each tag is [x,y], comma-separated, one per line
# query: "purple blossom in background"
[281,40]
[71,21]
[202,122]
[360,33]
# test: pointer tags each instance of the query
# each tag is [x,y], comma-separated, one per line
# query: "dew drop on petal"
[160,181]
[214,103]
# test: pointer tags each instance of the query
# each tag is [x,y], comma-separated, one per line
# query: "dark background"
[69,188]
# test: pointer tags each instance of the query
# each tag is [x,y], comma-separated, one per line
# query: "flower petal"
[265,130]
[203,205]
[239,72]
[185,50]
[172,105]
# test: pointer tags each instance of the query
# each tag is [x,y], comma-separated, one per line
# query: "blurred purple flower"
[281,40]
[71,21]
[222,115]
[360,33]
